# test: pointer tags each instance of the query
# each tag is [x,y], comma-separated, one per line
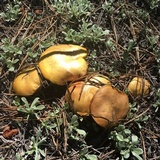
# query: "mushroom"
[80,93]
[139,86]
[62,63]
[27,82]
[109,106]
[94,96]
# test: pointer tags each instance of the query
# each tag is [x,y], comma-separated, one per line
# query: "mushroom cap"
[80,93]
[27,82]
[62,63]
[99,79]
[109,106]
[139,86]
[79,96]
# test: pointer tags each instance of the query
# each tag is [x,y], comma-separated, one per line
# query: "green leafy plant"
[94,65]
[86,32]
[10,54]
[30,109]
[73,8]
[85,155]
[142,14]
[153,4]
[139,120]
[126,143]
[108,6]
[153,40]
[73,129]
[53,120]
[79,134]
[157,103]
[34,149]
[109,43]
[12,11]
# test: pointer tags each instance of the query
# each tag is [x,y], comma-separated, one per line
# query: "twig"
[135,39]
[107,154]
[65,132]
[155,158]
[115,34]
[144,147]
[6,141]
[19,30]
[137,116]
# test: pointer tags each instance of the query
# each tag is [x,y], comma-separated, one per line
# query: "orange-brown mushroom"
[139,86]
[27,82]
[62,63]
[94,96]
[80,93]
[109,106]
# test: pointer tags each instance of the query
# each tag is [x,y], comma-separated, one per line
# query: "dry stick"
[54,142]
[22,62]
[19,30]
[43,38]
[114,29]
[107,154]
[35,45]
[24,35]
[14,38]
[30,26]
[115,34]
[65,132]
[27,30]
[50,7]
[155,29]
[144,148]
[151,132]
[137,116]
[135,38]
[158,157]
[7,141]
[99,17]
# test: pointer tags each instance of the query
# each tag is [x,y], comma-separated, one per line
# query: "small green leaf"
[26,104]
[134,138]
[137,151]
[42,152]
[120,137]
[127,131]
[11,69]
[91,157]
[125,153]
[136,155]
[81,132]
[38,108]
[35,102]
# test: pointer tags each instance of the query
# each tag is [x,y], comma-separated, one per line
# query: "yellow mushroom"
[62,63]
[79,94]
[109,106]
[139,86]
[27,82]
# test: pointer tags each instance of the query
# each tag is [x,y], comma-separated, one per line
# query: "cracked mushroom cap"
[62,63]
[139,86]
[109,106]
[79,94]
[27,82]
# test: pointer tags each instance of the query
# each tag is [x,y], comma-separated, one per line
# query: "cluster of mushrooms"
[88,94]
